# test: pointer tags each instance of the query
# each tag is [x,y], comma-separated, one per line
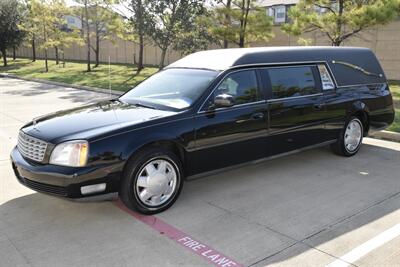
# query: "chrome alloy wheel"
[156,182]
[353,135]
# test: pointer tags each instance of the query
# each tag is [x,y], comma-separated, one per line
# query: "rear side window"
[292,82]
[242,86]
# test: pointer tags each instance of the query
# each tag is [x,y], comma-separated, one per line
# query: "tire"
[148,184]
[349,142]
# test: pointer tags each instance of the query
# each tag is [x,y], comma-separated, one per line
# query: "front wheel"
[350,139]
[152,181]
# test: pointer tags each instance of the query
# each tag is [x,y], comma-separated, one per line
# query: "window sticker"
[326,79]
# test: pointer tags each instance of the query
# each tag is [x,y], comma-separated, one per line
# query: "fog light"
[90,189]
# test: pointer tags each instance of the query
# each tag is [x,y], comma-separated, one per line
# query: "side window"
[292,81]
[242,86]
[326,79]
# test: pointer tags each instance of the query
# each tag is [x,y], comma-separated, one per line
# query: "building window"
[278,13]
[71,20]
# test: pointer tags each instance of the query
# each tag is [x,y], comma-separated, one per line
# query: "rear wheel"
[350,139]
[152,181]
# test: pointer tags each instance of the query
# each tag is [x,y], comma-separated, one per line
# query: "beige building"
[383,40]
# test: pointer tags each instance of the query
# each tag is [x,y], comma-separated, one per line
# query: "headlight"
[72,153]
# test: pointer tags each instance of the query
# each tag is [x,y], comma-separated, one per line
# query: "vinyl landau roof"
[350,65]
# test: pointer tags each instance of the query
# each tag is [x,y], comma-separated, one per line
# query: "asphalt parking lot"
[309,209]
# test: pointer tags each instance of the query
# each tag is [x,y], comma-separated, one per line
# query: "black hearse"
[206,112]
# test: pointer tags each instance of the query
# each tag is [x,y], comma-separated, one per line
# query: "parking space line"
[206,252]
[362,250]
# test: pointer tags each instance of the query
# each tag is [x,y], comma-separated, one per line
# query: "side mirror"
[224,101]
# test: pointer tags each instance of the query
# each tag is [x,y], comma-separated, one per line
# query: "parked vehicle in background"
[206,112]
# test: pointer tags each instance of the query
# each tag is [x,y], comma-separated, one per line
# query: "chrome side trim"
[292,97]
[361,84]
[208,173]
[232,108]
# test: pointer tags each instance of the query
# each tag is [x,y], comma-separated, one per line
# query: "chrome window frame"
[259,66]
[297,63]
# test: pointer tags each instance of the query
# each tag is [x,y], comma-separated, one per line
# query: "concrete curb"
[81,87]
[386,135]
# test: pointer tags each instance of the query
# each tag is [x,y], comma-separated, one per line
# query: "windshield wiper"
[144,105]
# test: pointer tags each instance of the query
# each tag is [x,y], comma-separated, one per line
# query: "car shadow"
[299,197]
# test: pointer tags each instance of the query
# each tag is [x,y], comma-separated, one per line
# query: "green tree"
[341,19]
[138,27]
[43,19]
[11,35]
[47,16]
[228,19]
[196,37]
[86,4]
[83,13]
[224,20]
[240,22]
[59,35]
[105,25]
[99,22]
[30,27]
[169,20]
[50,15]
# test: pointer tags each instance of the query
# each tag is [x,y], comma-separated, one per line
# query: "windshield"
[175,88]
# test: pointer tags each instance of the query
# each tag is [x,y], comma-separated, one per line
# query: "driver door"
[232,135]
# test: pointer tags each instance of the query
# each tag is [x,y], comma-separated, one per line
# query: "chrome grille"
[30,147]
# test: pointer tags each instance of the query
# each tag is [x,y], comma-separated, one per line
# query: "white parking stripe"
[366,247]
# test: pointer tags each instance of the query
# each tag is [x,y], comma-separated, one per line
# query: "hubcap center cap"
[158,183]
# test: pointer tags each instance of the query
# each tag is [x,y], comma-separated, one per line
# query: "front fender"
[122,146]
[137,142]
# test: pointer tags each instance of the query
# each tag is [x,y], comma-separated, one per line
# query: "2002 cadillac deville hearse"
[205,112]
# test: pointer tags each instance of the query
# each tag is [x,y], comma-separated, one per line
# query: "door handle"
[257,116]
[318,107]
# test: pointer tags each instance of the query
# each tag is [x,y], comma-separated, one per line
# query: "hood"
[90,121]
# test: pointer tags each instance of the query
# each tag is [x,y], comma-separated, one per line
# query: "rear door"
[296,107]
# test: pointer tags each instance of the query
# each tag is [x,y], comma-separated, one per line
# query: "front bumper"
[64,181]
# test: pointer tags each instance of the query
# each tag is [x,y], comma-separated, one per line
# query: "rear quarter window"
[326,80]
